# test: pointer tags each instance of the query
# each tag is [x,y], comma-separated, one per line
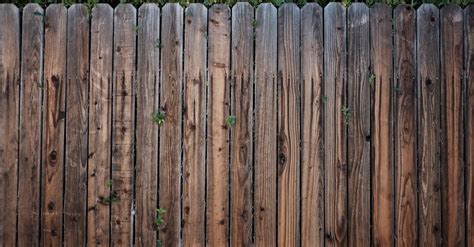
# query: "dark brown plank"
[265,125]
[100,115]
[380,80]
[123,123]
[452,166]
[194,150]
[312,61]
[334,127]
[217,139]
[29,166]
[54,123]
[289,125]
[241,133]
[147,131]
[9,106]
[170,131]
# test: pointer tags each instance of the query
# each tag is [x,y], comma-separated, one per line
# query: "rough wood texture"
[428,83]
[53,127]
[241,216]
[100,115]
[148,77]
[381,80]
[9,106]
[289,125]
[404,94]
[171,131]
[194,150]
[334,127]
[312,61]
[217,132]
[29,166]
[452,165]
[123,123]
[265,125]
[77,90]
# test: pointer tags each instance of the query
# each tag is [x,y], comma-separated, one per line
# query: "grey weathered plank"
[54,124]
[170,131]
[265,125]
[146,183]
[123,123]
[312,171]
[334,127]
[381,80]
[194,123]
[9,116]
[241,216]
[100,124]
[30,125]
[217,132]
[289,125]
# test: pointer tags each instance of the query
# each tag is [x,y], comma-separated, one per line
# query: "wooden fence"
[281,127]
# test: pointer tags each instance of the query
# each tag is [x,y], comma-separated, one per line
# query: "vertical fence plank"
[380,79]
[29,166]
[53,127]
[241,134]
[9,105]
[334,128]
[100,113]
[170,132]
[194,159]
[123,123]
[357,117]
[289,125]
[312,206]
[469,124]
[217,132]
[265,125]
[147,131]
[404,93]
[428,125]
[452,174]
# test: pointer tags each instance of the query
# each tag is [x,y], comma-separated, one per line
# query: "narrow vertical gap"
[180,117]
[252,140]
[89,50]
[393,125]
[111,82]
[229,85]
[442,128]
[417,89]
[134,127]
[157,99]
[345,129]
[372,92]
[300,100]
[19,105]
[277,81]
[322,126]
[465,124]
[206,117]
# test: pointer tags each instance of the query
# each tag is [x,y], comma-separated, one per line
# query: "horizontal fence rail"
[242,126]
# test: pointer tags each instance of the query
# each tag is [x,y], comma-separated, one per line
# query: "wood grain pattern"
[100,123]
[289,89]
[404,93]
[171,131]
[334,127]
[146,167]
[312,171]
[123,123]
[382,162]
[241,216]
[452,166]
[265,125]
[31,95]
[9,106]
[217,131]
[54,124]
[194,150]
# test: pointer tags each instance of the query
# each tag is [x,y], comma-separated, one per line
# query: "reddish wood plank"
[147,131]
[29,166]
[265,125]
[171,131]
[54,124]
[334,127]
[312,61]
[100,110]
[217,132]
[9,106]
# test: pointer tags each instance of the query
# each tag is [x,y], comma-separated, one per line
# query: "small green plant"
[107,200]
[40,84]
[136,28]
[346,3]
[90,4]
[109,183]
[159,117]
[278,3]
[371,80]
[231,120]
[68,3]
[159,223]
[324,99]
[157,43]
[346,112]
[254,24]
[397,88]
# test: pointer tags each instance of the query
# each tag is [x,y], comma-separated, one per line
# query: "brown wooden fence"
[277,127]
